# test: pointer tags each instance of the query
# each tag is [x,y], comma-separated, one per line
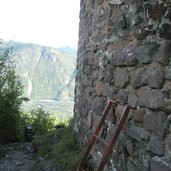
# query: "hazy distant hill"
[47,73]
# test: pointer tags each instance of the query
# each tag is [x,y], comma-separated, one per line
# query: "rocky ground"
[21,157]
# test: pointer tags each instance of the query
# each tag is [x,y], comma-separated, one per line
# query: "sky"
[46,22]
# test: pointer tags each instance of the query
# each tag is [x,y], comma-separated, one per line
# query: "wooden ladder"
[110,145]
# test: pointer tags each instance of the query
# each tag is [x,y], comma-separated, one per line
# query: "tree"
[11,91]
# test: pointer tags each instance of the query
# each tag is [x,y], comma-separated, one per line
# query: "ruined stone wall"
[124,54]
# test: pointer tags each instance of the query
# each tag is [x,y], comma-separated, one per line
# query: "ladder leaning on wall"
[110,145]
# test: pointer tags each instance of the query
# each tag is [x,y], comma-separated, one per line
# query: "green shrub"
[66,151]
[42,121]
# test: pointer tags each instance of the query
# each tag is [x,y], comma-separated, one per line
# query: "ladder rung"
[114,151]
[101,140]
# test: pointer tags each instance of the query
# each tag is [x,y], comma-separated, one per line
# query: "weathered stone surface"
[138,78]
[120,77]
[132,100]
[130,147]
[101,74]
[149,98]
[168,14]
[119,110]
[110,131]
[156,145]
[124,54]
[123,58]
[163,52]
[155,78]
[145,53]
[141,160]
[168,146]
[122,95]
[155,11]
[131,166]
[165,31]
[116,2]
[167,105]
[155,122]
[168,73]
[98,105]
[138,115]
[160,164]
[108,78]
[138,133]
[100,88]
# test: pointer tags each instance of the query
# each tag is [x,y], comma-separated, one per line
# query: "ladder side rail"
[83,160]
[96,132]
[103,118]
[109,148]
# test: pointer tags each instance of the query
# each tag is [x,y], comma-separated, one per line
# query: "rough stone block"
[160,164]
[155,78]
[138,78]
[168,146]
[165,31]
[145,52]
[100,88]
[130,147]
[167,105]
[122,57]
[167,73]
[138,133]
[122,96]
[163,52]
[149,98]
[155,122]
[119,110]
[101,74]
[110,131]
[98,105]
[108,75]
[95,74]
[131,166]
[141,160]
[117,59]
[138,115]
[120,77]
[132,100]
[155,11]
[156,145]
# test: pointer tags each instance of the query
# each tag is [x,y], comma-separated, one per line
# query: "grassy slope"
[62,110]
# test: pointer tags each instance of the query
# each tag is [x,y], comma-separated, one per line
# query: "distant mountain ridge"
[46,72]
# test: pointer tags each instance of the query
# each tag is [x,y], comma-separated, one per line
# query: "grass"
[61,146]
[66,151]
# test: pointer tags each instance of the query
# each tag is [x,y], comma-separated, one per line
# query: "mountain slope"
[46,72]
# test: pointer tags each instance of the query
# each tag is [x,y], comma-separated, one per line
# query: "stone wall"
[124,54]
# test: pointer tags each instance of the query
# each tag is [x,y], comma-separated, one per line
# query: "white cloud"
[48,22]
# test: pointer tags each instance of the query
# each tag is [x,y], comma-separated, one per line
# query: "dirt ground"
[21,157]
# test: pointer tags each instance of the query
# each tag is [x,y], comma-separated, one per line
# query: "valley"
[47,75]
[63,110]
